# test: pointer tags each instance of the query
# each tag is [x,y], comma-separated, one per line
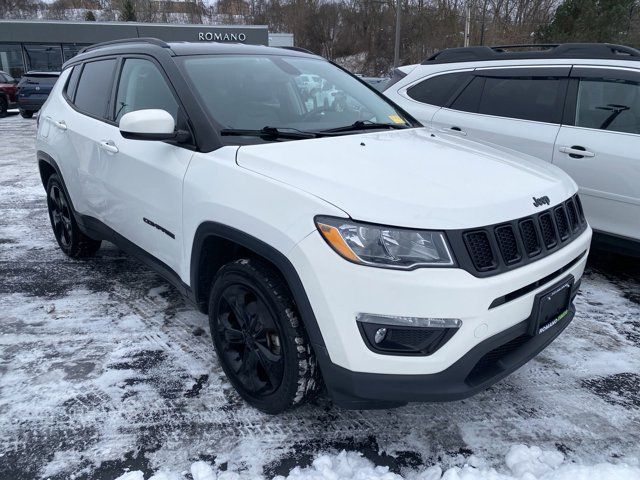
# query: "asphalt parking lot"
[103,367]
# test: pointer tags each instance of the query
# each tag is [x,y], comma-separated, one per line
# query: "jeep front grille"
[496,248]
[480,249]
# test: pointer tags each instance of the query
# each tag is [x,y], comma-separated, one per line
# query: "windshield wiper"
[367,125]
[269,133]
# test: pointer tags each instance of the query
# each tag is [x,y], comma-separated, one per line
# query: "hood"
[412,178]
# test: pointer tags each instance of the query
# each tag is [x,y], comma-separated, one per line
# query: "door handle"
[60,125]
[454,130]
[109,146]
[576,151]
[457,130]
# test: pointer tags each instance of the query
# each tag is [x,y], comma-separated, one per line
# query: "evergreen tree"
[590,21]
[89,16]
[127,11]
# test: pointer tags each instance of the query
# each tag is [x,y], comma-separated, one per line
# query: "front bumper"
[338,290]
[485,364]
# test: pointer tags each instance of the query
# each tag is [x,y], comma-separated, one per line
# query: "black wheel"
[72,241]
[259,338]
[26,113]
[3,108]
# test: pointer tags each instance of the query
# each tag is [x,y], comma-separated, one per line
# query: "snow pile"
[521,463]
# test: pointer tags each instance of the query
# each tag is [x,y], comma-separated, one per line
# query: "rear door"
[519,108]
[599,145]
[73,127]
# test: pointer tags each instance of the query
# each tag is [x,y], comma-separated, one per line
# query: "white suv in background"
[575,105]
[346,245]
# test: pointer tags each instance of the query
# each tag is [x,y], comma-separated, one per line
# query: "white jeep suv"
[348,246]
[574,105]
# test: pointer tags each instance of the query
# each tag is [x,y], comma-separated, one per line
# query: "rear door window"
[469,98]
[536,97]
[439,89]
[94,88]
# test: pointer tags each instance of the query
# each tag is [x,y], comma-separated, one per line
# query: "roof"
[212,48]
[150,45]
[605,51]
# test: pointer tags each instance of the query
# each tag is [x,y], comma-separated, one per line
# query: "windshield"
[250,92]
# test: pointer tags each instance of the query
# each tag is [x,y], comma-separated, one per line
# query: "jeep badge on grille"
[541,201]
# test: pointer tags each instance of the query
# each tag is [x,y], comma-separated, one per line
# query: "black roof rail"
[149,40]
[299,49]
[525,45]
[602,51]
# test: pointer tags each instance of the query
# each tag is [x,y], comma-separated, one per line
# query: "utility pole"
[467,23]
[484,15]
[396,49]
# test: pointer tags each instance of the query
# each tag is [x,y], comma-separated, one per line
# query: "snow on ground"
[105,371]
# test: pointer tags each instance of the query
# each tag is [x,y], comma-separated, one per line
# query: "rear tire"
[3,108]
[26,113]
[71,240]
[259,338]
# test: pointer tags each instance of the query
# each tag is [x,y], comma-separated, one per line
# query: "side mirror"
[152,124]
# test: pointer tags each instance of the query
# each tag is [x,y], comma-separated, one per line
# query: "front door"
[143,179]
[599,147]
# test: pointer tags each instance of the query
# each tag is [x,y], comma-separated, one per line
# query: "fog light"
[391,335]
[380,334]
[409,321]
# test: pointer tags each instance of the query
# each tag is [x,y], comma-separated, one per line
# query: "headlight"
[388,247]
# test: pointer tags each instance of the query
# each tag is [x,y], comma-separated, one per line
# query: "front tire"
[71,240]
[3,107]
[260,341]
[26,113]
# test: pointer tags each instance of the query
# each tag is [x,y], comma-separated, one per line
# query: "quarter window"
[141,87]
[439,89]
[609,104]
[94,87]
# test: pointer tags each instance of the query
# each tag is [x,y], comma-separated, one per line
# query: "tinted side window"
[72,84]
[94,87]
[141,87]
[438,90]
[529,98]
[609,104]
[469,98]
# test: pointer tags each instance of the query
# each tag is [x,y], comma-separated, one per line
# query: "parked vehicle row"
[340,245]
[576,106]
[28,95]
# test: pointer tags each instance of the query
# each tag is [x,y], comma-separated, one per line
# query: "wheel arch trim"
[44,157]
[210,229]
